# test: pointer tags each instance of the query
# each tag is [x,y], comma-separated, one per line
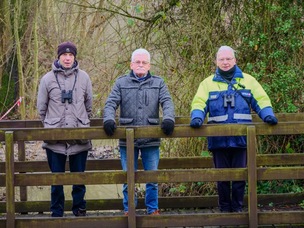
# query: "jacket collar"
[57,68]
[238,74]
[133,76]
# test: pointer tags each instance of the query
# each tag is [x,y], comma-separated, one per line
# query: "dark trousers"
[231,195]
[57,163]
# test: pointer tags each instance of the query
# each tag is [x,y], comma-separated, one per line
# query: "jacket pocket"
[216,104]
[52,122]
[83,122]
[126,121]
[153,121]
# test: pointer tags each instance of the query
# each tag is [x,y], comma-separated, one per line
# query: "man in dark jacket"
[65,101]
[139,95]
[228,97]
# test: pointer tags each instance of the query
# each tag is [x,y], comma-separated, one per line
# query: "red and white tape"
[18,102]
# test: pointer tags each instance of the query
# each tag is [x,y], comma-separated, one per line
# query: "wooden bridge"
[22,173]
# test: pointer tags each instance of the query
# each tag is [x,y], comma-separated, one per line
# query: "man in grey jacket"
[65,101]
[139,96]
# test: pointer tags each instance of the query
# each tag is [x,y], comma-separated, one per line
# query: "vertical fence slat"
[131,177]
[21,157]
[10,188]
[252,176]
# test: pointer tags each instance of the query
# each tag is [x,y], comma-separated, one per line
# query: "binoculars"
[67,96]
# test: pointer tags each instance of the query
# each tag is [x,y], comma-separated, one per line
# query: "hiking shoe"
[156,212]
[126,213]
[80,212]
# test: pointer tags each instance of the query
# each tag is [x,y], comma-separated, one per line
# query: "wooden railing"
[23,173]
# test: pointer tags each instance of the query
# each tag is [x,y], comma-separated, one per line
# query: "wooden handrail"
[282,117]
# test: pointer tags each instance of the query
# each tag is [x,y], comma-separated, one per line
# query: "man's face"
[140,65]
[225,60]
[66,60]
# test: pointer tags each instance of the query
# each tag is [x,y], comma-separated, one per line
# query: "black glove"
[196,122]
[167,126]
[109,127]
[272,120]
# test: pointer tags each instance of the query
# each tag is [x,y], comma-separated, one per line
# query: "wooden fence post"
[252,177]
[131,177]
[9,181]
[21,157]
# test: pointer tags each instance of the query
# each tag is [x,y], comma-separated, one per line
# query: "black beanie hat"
[66,47]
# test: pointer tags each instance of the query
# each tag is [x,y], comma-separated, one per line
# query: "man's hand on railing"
[196,122]
[109,127]
[272,120]
[167,126]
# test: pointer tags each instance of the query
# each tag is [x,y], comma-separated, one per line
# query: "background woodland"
[182,36]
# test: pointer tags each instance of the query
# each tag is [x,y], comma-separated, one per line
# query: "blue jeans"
[231,195]
[77,163]
[150,160]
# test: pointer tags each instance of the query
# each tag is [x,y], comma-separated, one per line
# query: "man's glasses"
[223,59]
[141,62]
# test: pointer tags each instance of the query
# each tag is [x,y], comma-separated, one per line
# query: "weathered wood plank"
[199,219]
[79,222]
[282,117]
[36,134]
[21,157]
[156,132]
[131,178]
[281,173]
[275,173]
[184,202]
[252,176]
[42,166]
[42,179]
[164,163]
[284,128]
[204,219]
[175,176]
[280,159]
[274,217]
[10,183]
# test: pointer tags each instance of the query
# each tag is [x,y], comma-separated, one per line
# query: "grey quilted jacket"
[139,103]
[55,114]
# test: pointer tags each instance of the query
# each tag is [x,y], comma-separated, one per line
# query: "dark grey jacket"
[139,103]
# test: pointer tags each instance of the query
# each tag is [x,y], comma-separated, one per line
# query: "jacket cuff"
[196,113]
[268,111]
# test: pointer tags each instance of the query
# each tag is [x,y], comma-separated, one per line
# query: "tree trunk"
[21,81]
